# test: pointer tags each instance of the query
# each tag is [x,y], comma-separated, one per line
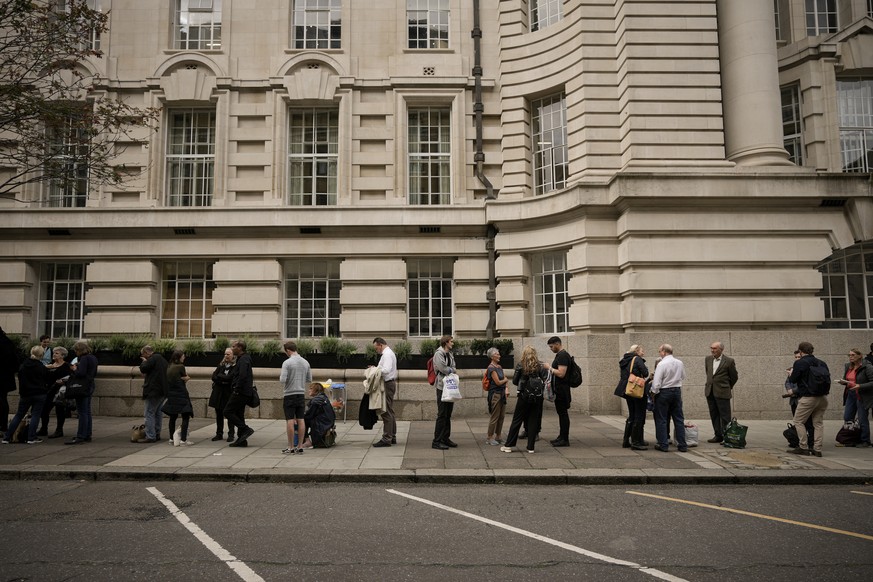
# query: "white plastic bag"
[451,388]
[692,434]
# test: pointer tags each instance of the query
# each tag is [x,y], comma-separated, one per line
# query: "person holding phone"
[858,393]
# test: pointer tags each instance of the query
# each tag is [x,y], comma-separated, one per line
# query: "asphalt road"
[233,531]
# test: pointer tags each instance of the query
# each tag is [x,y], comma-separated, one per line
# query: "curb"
[440,476]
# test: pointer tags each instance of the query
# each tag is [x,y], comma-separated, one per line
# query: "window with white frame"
[67,155]
[544,13]
[190,157]
[429,288]
[847,288]
[549,128]
[91,36]
[428,22]
[821,17]
[856,124]
[312,299]
[313,154]
[186,302]
[61,299]
[551,299]
[317,24]
[792,136]
[778,24]
[197,25]
[430,163]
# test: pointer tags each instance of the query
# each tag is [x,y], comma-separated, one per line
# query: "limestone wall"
[761,357]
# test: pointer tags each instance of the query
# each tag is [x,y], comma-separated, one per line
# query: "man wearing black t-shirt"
[559,368]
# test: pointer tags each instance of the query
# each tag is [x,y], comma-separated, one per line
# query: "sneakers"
[35,441]
[530,451]
[4,442]
[292,451]
[492,442]
[187,443]
[505,449]
[306,445]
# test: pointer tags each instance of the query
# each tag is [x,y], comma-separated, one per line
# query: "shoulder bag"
[635,384]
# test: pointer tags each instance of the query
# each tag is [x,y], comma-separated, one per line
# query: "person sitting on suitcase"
[320,419]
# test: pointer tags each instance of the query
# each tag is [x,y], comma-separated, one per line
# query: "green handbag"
[735,435]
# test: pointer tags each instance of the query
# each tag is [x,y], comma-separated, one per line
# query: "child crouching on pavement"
[320,419]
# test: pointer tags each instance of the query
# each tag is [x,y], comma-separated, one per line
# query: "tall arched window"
[847,288]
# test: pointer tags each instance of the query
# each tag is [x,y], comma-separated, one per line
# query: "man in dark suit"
[721,375]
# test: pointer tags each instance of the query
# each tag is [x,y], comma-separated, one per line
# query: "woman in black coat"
[636,407]
[222,382]
[530,377]
[178,401]
[58,372]
[32,390]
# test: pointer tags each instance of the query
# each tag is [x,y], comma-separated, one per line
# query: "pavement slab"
[595,456]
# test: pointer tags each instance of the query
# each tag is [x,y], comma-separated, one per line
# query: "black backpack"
[574,374]
[818,379]
[532,387]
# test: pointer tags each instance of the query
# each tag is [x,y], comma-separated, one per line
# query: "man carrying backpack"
[561,384]
[813,381]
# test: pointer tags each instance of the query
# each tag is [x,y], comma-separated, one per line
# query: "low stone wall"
[761,356]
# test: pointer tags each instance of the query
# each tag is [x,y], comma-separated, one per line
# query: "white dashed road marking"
[242,570]
[576,549]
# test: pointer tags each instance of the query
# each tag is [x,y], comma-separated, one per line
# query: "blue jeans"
[83,408]
[853,406]
[153,418]
[26,403]
[668,404]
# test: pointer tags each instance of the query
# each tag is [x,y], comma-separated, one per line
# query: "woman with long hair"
[858,393]
[178,400]
[530,377]
[83,372]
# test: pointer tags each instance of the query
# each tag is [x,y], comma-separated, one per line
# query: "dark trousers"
[636,410]
[562,407]
[4,411]
[60,411]
[668,404]
[25,403]
[235,411]
[389,422]
[719,414]
[530,413]
[219,423]
[443,429]
[184,431]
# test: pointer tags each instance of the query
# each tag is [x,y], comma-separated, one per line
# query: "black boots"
[636,437]
[625,443]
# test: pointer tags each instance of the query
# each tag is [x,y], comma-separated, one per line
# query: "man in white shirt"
[388,364]
[667,391]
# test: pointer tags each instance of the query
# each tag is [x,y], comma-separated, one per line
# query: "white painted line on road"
[242,570]
[758,515]
[861,492]
[562,545]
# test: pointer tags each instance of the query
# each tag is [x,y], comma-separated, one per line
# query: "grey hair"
[61,350]
[491,351]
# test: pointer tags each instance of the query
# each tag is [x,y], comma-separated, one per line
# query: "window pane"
[551,299]
[186,303]
[429,163]
[429,287]
[62,300]
[190,157]
[312,305]
[549,134]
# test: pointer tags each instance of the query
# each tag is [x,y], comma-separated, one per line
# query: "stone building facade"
[604,170]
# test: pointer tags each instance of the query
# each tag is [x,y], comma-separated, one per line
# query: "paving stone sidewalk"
[594,457]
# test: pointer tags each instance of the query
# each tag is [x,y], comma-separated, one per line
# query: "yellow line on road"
[862,493]
[758,515]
